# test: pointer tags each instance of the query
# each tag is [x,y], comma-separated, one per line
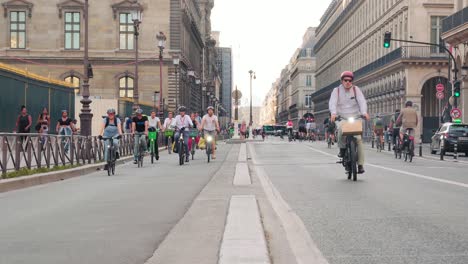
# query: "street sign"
[440,95]
[440,87]
[455,113]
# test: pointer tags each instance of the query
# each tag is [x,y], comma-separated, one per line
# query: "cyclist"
[330,128]
[169,124]
[183,121]
[209,126]
[378,129]
[394,127]
[140,130]
[111,128]
[408,118]
[154,121]
[289,127]
[302,128]
[196,125]
[347,101]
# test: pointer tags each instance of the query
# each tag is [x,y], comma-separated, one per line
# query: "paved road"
[396,213]
[98,219]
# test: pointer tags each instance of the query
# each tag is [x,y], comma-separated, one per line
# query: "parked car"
[447,135]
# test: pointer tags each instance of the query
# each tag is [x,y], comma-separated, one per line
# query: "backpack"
[107,122]
[379,122]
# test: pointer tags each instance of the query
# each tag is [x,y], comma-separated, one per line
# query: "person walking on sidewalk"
[23,122]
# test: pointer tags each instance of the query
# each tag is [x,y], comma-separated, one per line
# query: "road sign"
[440,87]
[440,95]
[455,113]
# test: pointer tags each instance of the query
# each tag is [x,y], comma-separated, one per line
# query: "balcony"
[455,27]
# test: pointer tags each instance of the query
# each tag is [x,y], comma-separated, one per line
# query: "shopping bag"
[201,143]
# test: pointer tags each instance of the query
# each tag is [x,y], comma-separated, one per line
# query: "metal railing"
[18,151]
[455,20]
[420,52]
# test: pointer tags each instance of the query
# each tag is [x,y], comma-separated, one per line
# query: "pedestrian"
[23,122]
[128,125]
[65,129]
[243,130]
[43,123]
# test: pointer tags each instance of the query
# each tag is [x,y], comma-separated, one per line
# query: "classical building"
[224,65]
[47,37]
[297,82]
[268,111]
[350,37]
[244,115]
[455,33]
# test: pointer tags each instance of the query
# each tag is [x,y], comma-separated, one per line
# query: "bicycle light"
[351,119]
[209,138]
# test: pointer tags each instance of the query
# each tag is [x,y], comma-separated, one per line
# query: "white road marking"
[242,153]
[403,172]
[242,175]
[303,247]
[244,238]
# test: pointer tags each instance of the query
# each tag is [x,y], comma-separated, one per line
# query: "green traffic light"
[457,94]
[386,45]
[457,121]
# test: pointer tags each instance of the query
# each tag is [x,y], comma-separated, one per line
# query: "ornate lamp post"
[161,45]
[254,76]
[137,18]
[176,62]
[86,116]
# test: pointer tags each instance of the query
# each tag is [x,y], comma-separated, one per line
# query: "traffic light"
[387,39]
[456,90]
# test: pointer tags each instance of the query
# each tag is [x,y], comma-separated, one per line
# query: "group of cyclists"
[141,124]
[347,101]
[307,128]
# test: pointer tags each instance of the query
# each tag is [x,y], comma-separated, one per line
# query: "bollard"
[420,146]
[455,150]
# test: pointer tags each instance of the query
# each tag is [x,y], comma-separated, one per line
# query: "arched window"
[74,80]
[126,87]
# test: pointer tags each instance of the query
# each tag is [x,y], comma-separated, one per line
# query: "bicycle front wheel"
[353,158]
[181,153]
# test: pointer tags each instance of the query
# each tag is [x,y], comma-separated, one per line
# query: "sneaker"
[117,155]
[342,153]
[361,169]
[187,159]
[106,167]
[135,162]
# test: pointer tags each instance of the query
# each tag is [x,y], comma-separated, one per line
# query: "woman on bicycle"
[65,127]
[169,124]
[111,127]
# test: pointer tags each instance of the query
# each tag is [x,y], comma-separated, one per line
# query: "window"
[436,31]
[73,80]
[308,100]
[18,30]
[72,30]
[126,87]
[126,31]
[308,80]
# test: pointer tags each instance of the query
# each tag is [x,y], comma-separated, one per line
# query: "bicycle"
[351,128]
[181,147]
[153,147]
[193,134]
[141,149]
[397,148]
[209,147]
[111,154]
[169,134]
[380,145]
[290,135]
[329,140]
[408,145]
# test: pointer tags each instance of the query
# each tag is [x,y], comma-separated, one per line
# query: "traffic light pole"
[455,76]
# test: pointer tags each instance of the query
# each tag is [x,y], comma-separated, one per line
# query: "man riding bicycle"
[378,128]
[408,119]
[183,121]
[111,128]
[169,124]
[209,126]
[140,131]
[348,101]
[302,128]
[394,127]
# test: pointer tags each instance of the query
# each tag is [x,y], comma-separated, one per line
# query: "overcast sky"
[264,34]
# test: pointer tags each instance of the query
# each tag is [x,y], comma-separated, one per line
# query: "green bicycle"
[153,143]
[169,134]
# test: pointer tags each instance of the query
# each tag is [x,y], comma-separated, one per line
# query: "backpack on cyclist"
[379,122]
[108,122]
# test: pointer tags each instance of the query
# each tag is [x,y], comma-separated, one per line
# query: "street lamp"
[155,99]
[161,45]
[176,61]
[252,74]
[198,82]
[137,18]
[86,116]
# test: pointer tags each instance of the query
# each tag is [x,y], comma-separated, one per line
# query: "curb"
[49,177]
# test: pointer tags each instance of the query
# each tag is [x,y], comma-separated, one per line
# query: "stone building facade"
[268,111]
[47,37]
[455,33]
[297,82]
[350,37]
[224,65]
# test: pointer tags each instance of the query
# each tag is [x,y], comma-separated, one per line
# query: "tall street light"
[176,61]
[137,18]
[161,45]
[252,75]
[86,116]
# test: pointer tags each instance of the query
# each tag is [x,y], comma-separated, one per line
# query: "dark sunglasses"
[347,80]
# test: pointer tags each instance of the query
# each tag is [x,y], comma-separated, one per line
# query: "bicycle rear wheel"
[411,152]
[152,149]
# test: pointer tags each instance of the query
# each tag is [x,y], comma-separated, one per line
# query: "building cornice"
[70,5]
[17,4]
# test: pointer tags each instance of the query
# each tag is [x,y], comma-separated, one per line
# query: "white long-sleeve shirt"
[347,104]
[169,123]
[183,121]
